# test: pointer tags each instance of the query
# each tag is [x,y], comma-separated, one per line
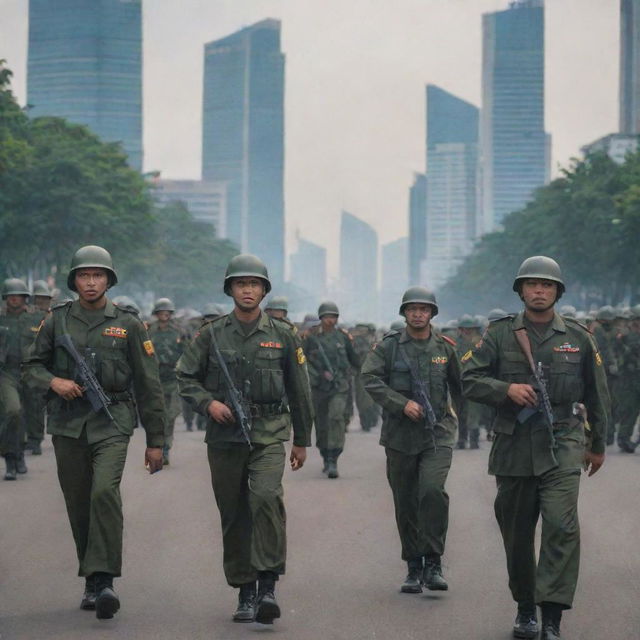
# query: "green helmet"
[41,288]
[496,314]
[635,312]
[419,295]
[245,264]
[542,268]
[328,308]
[623,312]
[568,310]
[91,256]
[14,287]
[213,309]
[397,325]
[606,314]
[125,302]
[163,304]
[468,322]
[278,303]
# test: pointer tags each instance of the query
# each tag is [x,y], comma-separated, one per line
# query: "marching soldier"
[246,372]
[331,355]
[534,367]
[410,374]
[364,336]
[277,307]
[91,415]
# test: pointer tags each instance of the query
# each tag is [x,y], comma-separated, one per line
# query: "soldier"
[364,337]
[629,397]
[90,443]
[19,326]
[277,307]
[265,361]
[42,295]
[331,355]
[410,374]
[212,310]
[167,343]
[538,453]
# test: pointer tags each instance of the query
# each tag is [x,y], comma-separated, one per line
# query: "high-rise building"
[417,226]
[85,64]
[205,200]
[514,146]
[243,137]
[309,270]
[393,278]
[358,269]
[452,161]
[630,66]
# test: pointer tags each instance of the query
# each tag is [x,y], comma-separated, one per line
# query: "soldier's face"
[247,293]
[538,294]
[91,283]
[418,315]
[16,303]
[42,302]
[163,316]
[328,321]
[276,313]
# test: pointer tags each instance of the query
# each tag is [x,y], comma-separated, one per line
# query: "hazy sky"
[355,77]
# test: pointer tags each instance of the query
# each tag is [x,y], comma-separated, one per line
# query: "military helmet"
[41,288]
[278,303]
[542,268]
[496,314]
[125,302]
[606,313]
[623,312]
[327,308]
[14,287]
[245,264]
[568,310]
[213,309]
[635,312]
[468,322]
[91,256]
[419,295]
[397,325]
[163,304]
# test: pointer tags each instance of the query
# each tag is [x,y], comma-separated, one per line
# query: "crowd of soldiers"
[270,377]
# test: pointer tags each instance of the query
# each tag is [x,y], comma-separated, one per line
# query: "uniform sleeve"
[479,368]
[454,379]
[596,397]
[146,384]
[35,367]
[296,381]
[352,356]
[313,371]
[375,379]
[191,371]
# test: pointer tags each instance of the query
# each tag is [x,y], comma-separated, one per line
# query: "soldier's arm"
[146,383]
[479,367]
[35,367]
[352,356]
[310,349]
[375,377]
[296,381]
[454,379]
[596,397]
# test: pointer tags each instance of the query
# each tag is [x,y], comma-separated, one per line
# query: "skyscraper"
[417,226]
[630,66]
[358,269]
[309,270]
[85,64]
[513,142]
[243,137]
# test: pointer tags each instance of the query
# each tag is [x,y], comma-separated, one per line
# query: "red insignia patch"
[271,345]
[115,332]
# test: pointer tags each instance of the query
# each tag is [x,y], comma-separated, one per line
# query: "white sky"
[355,77]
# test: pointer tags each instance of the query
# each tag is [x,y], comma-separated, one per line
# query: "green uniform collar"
[77,311]
[263,323]
[405,337]
[557,324]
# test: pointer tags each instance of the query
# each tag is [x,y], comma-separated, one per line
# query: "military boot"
[165,456]
[432,574]
[246,611]
[462,444]
[88,602]
[107,601]
[332,465]
[526,624]
[412,583]
[626,446]
[551,616]
[36,449]
[267,609]
[21,465]
[474,438]
[11,471]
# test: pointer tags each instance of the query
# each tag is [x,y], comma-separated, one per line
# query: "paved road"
[344,557]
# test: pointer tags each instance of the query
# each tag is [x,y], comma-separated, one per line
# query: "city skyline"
[354,87]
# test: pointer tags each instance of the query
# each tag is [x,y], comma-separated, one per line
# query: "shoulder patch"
[148,347]
[580,324]
[451,341]
[466,356]
[300,355]
[61,305]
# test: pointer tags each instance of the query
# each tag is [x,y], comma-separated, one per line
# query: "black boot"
[21,465]
[36,449]
[526,624]
[267,609]
[107,601]
[246,611]
[11,471]
[474,438]
[332,464]
[432,575]
[88,602]
[412,583]
[551,616]
[626,446]
[462,444]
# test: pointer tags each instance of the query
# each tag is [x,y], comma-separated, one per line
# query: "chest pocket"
[267,381]
[565,373]
[400,377]
[115,372]
[214,380]
[514,367]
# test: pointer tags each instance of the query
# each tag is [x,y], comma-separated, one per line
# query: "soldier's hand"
[220,412]
[297,457]
[413,411]
[523,395]
[153,459]
[67,389]
[592,462]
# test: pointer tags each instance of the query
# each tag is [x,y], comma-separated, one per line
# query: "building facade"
[309,271]
[514,145]
[630,66]
[85,64]
[243,137]
[417,226]
[615,145]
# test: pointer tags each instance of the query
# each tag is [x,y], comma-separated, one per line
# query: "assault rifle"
[91,387]
[236,398]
